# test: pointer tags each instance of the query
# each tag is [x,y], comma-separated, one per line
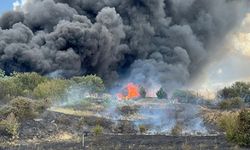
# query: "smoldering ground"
[161,41]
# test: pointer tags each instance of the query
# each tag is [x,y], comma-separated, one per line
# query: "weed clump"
[97,130]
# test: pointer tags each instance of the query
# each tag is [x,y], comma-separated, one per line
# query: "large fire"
[131,92]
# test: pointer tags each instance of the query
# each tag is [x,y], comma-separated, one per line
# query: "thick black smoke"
[148,41]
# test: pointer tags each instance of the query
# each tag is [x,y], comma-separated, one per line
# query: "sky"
[6,5]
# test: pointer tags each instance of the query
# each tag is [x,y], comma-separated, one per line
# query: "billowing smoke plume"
[161,41]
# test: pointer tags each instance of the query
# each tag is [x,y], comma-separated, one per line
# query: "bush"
[8,89]
[231,103]
[52,89]
[243,128]
[238,89]
[97,130]
[228,123]
[24,108]
[142,129]
[176,130]
[143,92]
[92,82]
[237,127]
[27,82]
[161,94]
[9,127]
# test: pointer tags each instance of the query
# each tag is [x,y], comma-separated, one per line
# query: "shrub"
[228,123]
[27,82]
[97,130]
[41,105]
[161,94]
[238,89]
[6,110]
[143,92]
[237,127]
[8,89]
[24,108]
[231,103]
[243,128]
[52,89]
[92,82]
[142,129]
[176,130]
[9,127]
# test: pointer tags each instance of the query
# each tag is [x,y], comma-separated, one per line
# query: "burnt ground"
[55,130]
[136,142]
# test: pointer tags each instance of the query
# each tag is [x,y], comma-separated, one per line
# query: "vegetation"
[97,130]
[243,128]
[162,94]
[237,127]
[231,103]
[93,83]
[9,127]
[142,129]
[176,130]
[238,89]
[53,89]
[185,96]
[143,92]
[228,123]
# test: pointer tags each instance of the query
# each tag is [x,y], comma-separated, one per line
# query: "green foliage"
[24,108]
[8,89]
[243,128]
[9,126]
[231,103]
[19,84]
[143,92]
[228,123]
[237,127]
[161,94]
[238,89]
[142,129]
[93,83]
[27,82]
[97,130]
[52,89]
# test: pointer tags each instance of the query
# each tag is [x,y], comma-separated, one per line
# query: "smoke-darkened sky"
[166,42]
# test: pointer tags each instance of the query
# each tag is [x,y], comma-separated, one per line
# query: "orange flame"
[132,91]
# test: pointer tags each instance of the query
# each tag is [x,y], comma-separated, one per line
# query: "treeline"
[26,95]
[234,96]
[35,86]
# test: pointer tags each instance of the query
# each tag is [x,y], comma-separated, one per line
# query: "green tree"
[143,92]
[161,94]
[27,82]
[93,83]
[238,89]
[8,89]
[52,89]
